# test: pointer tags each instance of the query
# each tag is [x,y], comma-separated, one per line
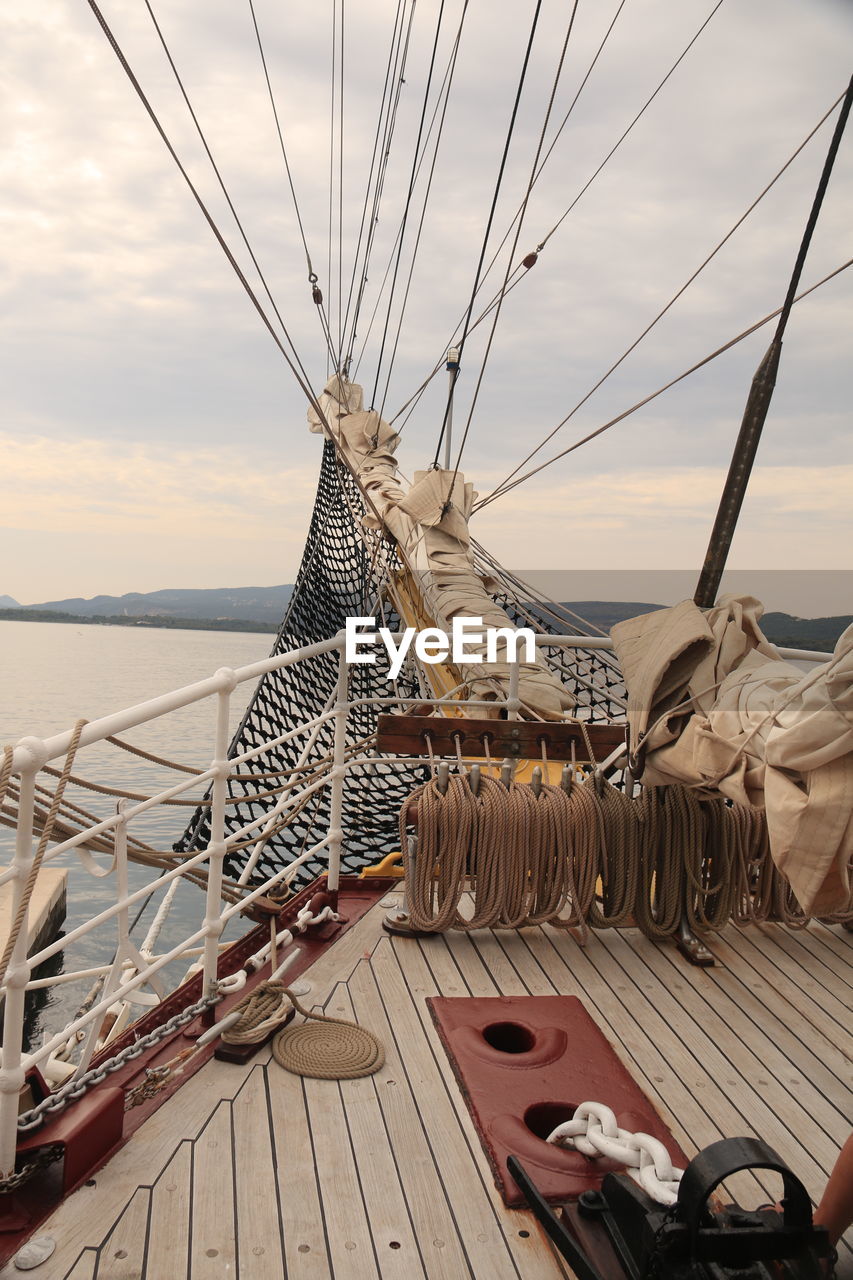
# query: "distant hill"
[243,604]
[7,602]
[804,633]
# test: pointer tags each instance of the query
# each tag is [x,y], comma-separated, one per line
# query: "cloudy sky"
[153,436]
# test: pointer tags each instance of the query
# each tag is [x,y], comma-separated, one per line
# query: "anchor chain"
[75,1088]
[594,1131]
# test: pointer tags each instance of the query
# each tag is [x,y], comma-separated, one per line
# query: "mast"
[758,401]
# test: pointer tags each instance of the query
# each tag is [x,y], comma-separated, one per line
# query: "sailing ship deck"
[252,1172]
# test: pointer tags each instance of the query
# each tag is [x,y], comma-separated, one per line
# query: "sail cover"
[713,706]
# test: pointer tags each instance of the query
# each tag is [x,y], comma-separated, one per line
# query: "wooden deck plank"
[89,1214]
[387,1217]
[777,949]
[420,1180]
[816,945]
[482,1233]
[707,1033]
[397,1157]
[344,1210]
[122,1254]
[84,1267]
[259,1234]
[807,1065]
[212,1234]
[169,1242]
[785,997]
[305,1249]
[522,1239]
[740,1018]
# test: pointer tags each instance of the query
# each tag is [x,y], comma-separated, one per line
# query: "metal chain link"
[45,1157]
[75,1088]
[593,1131]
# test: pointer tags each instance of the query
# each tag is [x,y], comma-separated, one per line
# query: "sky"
[153,436]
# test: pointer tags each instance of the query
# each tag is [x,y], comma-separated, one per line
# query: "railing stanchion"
[216,850]
[18,972]
[339,769]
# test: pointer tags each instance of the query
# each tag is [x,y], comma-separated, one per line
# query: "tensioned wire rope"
[209,154]
[520,271]
[441,105]
[294,364]
[407,206]
[505,483]
[518,226]
[383,134]
[666,387]
[487,234]
[312,275]
[395,79]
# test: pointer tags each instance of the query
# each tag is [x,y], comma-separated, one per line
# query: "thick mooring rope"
[327,1048]
[588,857]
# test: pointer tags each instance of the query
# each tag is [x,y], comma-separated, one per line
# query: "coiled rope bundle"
[590,856]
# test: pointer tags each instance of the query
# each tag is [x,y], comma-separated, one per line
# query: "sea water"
[51,675]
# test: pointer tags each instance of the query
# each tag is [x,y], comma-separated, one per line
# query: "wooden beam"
[516,739]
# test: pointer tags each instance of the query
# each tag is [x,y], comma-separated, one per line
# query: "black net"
[340,576]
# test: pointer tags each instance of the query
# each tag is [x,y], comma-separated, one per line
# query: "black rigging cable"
[216,170]
[498,183]
[408,203]
[386,93]
[443,96]
[511,255]
[299,373]
[727,346]
[499,488]
[390,124]
[312,275]
[520,271]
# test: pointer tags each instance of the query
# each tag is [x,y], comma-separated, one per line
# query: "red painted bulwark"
[524,1063]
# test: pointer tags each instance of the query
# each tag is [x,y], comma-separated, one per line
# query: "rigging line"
[300,373]
[341,192]
[499,493]
[215,168]
[587,185]
[312,276]
[511,255]
[443,94]
[537,171]
[518,270]
[390,126]
[640,113]
[409,195]
[329,276]
[674,298]
[498,183]
[386,92]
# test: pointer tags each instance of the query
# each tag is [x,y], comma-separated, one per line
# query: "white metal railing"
[134,968]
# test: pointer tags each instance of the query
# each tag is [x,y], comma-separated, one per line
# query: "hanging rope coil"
[587,857]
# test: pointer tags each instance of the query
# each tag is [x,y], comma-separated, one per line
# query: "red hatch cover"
[524,1063]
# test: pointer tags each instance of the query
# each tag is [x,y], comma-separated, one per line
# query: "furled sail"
[712,705]
[430,526]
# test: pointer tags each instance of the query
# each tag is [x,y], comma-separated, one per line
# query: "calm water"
[52,674]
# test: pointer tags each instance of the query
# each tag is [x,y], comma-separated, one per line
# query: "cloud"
[129,347]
